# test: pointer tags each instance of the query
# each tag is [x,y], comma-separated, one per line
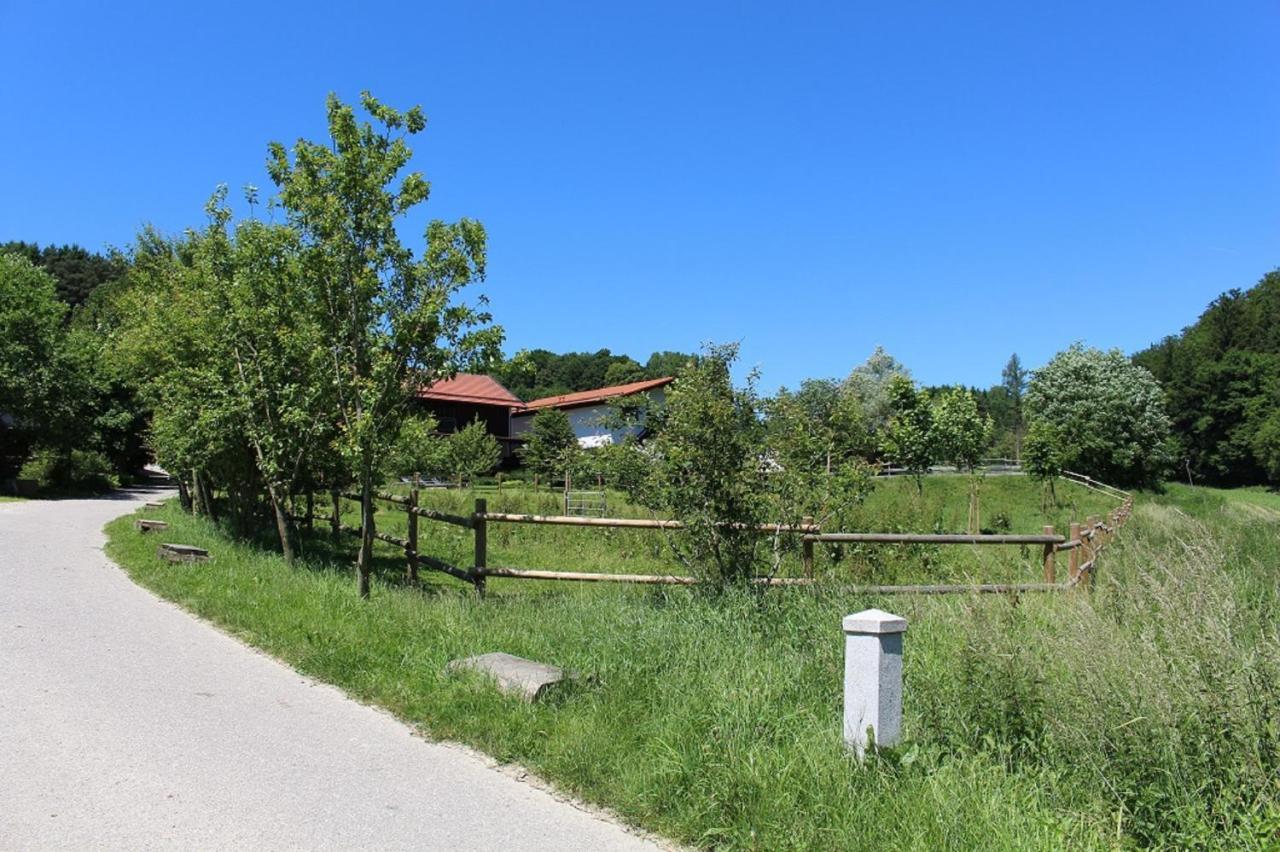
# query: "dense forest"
[1221,378]
[76,271]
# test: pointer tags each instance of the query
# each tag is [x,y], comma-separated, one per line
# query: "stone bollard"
[872,678]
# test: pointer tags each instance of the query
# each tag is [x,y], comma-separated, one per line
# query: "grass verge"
[1144,714]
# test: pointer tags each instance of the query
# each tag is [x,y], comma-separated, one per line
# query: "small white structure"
[872,678]
[590,411]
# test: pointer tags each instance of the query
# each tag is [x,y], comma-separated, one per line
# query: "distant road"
[126,723]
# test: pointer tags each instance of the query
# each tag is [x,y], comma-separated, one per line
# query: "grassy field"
[1141,714]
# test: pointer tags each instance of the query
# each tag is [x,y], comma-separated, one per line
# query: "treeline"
[536,373]
[1221,378]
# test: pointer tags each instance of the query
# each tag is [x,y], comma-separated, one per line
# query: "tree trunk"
[364,562]
[184,495]
[282,524]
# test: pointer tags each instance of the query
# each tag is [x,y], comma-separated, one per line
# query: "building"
[590,411]
[458,401]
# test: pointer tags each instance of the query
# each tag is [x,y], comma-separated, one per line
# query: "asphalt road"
[126,723]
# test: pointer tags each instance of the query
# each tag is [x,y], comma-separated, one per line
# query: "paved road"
[127,724]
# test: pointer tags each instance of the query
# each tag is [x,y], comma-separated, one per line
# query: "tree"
[909,438]
[622,372]
[961,434]
[77,271]
[391,321]
[706,468]
[1109,414]
[661,365]
[870,383]
[1014,379]
[1266,447]
[419,449]
[551,445]
[472,452]
[30,357]
[1042,457]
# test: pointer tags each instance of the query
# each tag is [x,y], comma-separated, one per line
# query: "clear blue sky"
[954,181]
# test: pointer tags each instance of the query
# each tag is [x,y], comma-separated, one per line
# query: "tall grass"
[1141,714]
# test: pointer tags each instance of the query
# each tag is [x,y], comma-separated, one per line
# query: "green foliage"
[1266,447]
[77,271]
[1042,451]
[60,469]
[31,366]
[537,373]
[391,322]
[419,449]
[1221,376]
[871,383]
[471,452]
[909,438]
[707,469]
[551,446]
[961,434]
[1109,414]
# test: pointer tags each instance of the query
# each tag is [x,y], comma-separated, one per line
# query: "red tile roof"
[466,387]
[591,397]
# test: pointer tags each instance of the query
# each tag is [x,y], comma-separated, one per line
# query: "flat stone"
[182,553]
[874,621]
[151,504]
[514,675]
[147,525]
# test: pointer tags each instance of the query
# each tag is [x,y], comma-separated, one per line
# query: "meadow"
[1143,713]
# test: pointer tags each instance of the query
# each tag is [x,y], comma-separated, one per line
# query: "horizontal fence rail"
[1082,545]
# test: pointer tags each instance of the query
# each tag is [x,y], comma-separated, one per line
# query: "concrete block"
[147,525]
[872,678]
[514,675]
[182,553]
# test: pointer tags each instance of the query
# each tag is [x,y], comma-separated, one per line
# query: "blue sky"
[953,181]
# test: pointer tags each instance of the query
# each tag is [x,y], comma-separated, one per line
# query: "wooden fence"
[1082,545]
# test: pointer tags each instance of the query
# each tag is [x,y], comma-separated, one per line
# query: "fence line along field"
[914,546]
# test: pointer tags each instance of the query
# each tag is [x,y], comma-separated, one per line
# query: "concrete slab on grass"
[514,675]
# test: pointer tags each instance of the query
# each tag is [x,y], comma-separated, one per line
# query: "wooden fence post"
[482,543]
[1050,550]
[336,520]
[807,548]
[1073,557]
[412,561]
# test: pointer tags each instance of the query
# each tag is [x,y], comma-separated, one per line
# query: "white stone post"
[872,678]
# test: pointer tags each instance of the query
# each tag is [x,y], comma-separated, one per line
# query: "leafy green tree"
[623,372]
[1109,413]
[419,449]
[552,445]
[472,452]
[909,438]
[870,383]
[30,358]
[392,321]
[1042,455]
[706,468]
[663,364]
[961,433]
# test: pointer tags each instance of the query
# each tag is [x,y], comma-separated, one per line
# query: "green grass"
[4,499]
[1142,714]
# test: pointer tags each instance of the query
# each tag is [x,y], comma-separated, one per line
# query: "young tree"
[391,321]
[551,446]
[472,452]
[1109,413]
[419,449]
[1043,456]
[961,434]
[871,383]
[706,468]
[909,439]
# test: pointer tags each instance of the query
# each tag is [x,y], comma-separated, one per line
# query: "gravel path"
[126,723]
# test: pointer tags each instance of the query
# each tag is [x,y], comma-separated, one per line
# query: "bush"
[74,470]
